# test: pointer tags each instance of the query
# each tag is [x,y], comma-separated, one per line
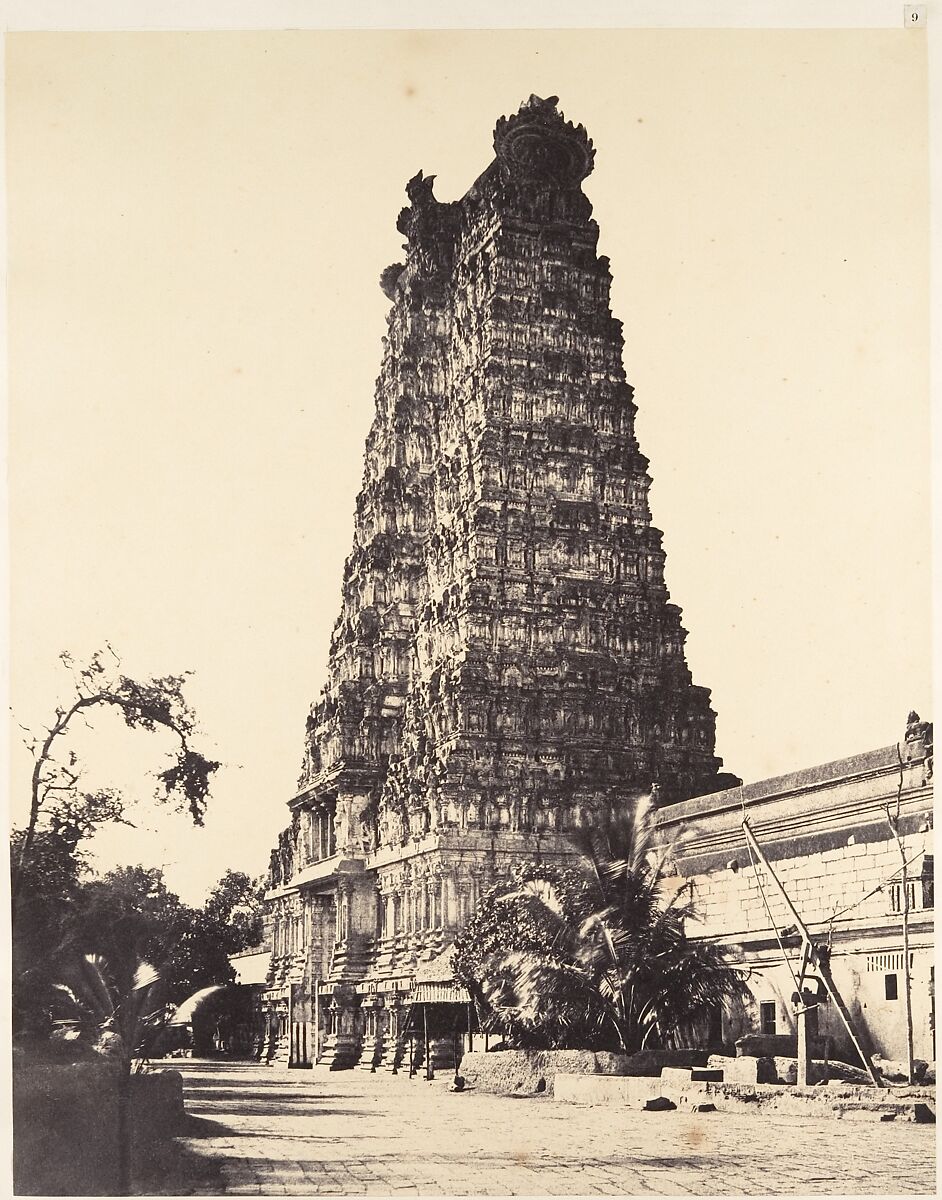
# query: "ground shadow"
[250,1108]
[203,1127]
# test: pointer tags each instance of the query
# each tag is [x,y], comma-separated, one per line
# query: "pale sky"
[197,225]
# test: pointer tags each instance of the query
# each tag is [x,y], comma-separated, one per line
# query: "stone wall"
[65,1124]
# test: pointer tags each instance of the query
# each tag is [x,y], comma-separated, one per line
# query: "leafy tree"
[607,964]
[234,906]
[130,910]
[50,891]
[57,798]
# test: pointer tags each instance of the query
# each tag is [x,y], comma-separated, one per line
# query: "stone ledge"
[513,1072]
[631,1090]
[842,1101]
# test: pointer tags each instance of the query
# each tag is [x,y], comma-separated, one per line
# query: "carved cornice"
[538,145]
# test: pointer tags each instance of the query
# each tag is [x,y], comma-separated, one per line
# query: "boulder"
[777,1045]
[894,1070]
[819,1071]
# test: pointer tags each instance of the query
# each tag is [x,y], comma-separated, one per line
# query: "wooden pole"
[428,1064]
[801,1013]
[818,956]
[291,1058]
[907,981]
[803,1054]
[893,822]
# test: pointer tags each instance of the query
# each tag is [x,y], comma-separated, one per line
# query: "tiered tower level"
[506,657]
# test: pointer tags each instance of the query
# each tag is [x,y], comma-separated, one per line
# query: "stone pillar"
[344,905]
[442,882]
[431,903]
[341,1047]
[374,1031]
[392,1050]
[463,885]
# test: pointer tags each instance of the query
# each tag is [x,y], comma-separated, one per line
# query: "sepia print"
[470,634]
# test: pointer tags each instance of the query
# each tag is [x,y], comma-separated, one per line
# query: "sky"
[197,224]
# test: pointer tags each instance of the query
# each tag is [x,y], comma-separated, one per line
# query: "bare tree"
[57,800]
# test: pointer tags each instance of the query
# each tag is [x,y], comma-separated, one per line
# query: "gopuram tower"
[506,658]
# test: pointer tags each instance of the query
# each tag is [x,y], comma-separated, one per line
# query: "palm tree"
[612,965]
[115,1009]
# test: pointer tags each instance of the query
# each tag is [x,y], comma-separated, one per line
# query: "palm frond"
[607,964]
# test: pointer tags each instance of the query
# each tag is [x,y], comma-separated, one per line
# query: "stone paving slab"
[266,1131]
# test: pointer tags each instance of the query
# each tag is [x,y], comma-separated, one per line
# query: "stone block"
[651,1062]
[678,1076]
[641,1089]
[744,1069]
[591,1089]
[635,1091]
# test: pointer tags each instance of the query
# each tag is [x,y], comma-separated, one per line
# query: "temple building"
[506,657]
[836,838]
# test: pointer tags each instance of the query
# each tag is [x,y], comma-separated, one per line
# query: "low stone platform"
[834,1100]
[521,1072]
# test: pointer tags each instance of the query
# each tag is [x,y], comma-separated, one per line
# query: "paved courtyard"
[257,1130]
